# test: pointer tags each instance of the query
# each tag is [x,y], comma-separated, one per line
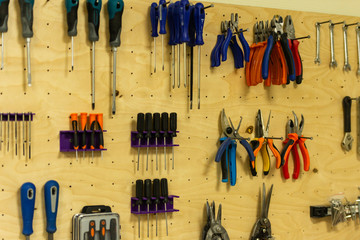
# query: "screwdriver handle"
[27,17]
[91,233]
[102,229]
[51,191]
[72,7]
[4,15]
[165,123]
[173,123]
[199,15]
[156,190]
[154,18]
[27,196]
[99,119]
[83,121]
[93,123]
[74,123]
[115,9]
[139,191]
[140,125]
[176,19]
[148,124]
[170,21]
[147,190]
[93,8]
[162,16]
[192,30]
[184,21]
[164,189]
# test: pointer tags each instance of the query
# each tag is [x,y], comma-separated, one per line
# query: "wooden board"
[57,92]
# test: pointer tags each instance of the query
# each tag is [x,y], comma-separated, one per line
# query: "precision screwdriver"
[92,120]
[99,119]
[147,191]
[173,127]
[162,31]
[154,18]
[23,132]
[170,19]
[83,121]
[148,129]
[27,196]
[140,133]
[72,20]
[29,134]
[8,132]
[177,36]
[16,134]
[139,196]
[164,194]
[156,197]
[164,129]
[4,15]
[51,193]
[115,9]
[93,8]
[156,120]
[27,17]
[184,31]
[74,124]
[199,16]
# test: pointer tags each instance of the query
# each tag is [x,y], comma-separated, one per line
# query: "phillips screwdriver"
[8,132]
[191,44]
[115,9]
[99,118]
[154,18]
[23,132]
[27,17]
[184,31]
[170,19]
[29,134]
[199,17]
[72,20]
[173,127]
[16,134]
[92,120]
[147,191]
[162,31]
[83,121]
[177,27]
[51,192]
[164,129]
[156,120]
[139,196]
[27,196]
[102,229]
[4,15]
[74,125]
[92,230]
[93,8]
[156,197]
[140,135]
[164,194]
[148,129]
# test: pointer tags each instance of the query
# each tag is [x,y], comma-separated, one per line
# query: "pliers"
[213,228]
[227,150]
[260,142]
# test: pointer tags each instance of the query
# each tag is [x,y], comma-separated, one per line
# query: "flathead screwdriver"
[72,20]
[164,129]
[29,134]
[140,124]
[139,196]
[51,194]
[115,9]
[162,31]
[4,15]
[83,121]
[154,18]
[165,195]
[156,197]
[170,19]
[8,132]
[148,129]
[16,133]
[173,128]
[23,132]
[156,121]
[184,32]
[74,125]
[177,36]
[27,17]
[147,191]
[27,197]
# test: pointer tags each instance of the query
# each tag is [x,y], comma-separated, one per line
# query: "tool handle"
[199,17]
[93,9]
[248,149]
[164,189]
[170,21]
[296,157]
[99,119]
[115,9]
[225,45]
[305,153]
[83,121]
[51,192]
[113,229]
[27,17]
[285,168]
[27,196]
[93,124]
[74,124]
[173,124]
[215,53]
[162,16]
[91,233]
[292,138]
[248,69]
[72,7]
[148,124]
[266,159]
[156,121]
[256,145]
[192,30]
[294,46]
[176,19]
[245,46]
[276,153]
[347,113]
[102,229]
[154,18]
[4,15]
[147,190]
[140,124]
[165,123]
[224,162]
[237,53]
[224,145]
[156,190]
[139,191]
[184,21]
[232,162]
[288,56]
[266,57]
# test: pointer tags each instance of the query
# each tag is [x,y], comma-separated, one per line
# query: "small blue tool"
[51,192]
[27,197]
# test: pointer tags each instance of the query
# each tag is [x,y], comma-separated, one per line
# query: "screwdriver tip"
[93,106]
[72,68]
[113,112]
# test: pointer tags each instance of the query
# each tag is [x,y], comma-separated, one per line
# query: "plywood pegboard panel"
[57,92]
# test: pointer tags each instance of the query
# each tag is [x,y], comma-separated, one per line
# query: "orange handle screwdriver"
[99,118]
[83,121]
[93,124]
[74,124]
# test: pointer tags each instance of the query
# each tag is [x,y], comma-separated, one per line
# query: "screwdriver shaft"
[173,65]
[50,236]
[173,158]
[165,151]
[191,75]
[178,60]
[162,50]
[147,154]
[72,53]
[8,132]
[167,233]
[2,51]
[156,151]
[93,76]
[16,134]
[148,219]
[30,115]
[28,61]
[154,55]
[199,64]
[156,216]
[23,132]
[114,81]
[139,220]
[184,60]
[138,162]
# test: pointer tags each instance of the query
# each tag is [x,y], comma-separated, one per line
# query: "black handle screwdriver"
[173,127]
[156,120]
[148,129]
[156,195]
[165,128]
[4,15]
[72,7]
[165,194]
[140,134]
[139,196]
[147,191]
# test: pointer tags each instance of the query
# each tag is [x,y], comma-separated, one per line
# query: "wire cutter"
[227,150]
[262,227]
[294,138]
[213,228]
[260,142]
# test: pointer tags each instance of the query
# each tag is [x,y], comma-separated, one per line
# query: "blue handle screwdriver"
[72,7]
[27,197]
[162,20]
[4,15]
[184,31]
[51,192]
[170,19]
[154,18]
[176,18]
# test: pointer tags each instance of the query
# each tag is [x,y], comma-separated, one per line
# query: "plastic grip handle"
[232,162]
[225,45]
[165,123]
[27,196]
[156,121]
[288,56]
[170,21]
[156,190]
[173,123]
[147,190]
[245,45]
[224,145]
[162,16]
[199,18]
[184,21]
[176,19]
[192,30]
[72,7]
[102,229]
[255,145]
[83,121]
[296,157]
[347,113]
[154,18]
[92,230]
[237,53]
[140,124]
[27,17]
[164,189]
[276,153]
[297,59]
[51,191]
[266,57]
[148,124]
[285,168]
[224,163]
[215,53]
[4,15]
[139,191]
[266,159]
[305,153]
[292,138]
[248,148]
[93,9]
[115,9]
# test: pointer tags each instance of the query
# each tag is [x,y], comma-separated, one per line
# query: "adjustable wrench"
[347,66]
[348,139]
[333,62]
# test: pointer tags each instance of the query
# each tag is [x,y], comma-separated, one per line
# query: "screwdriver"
[162,20]
[1,123]
[27,17]
[156,120]
[72,20]
[154,18]
[139,196]
[92,230]
[184,31]
[83,121]
[27,196]
[99,118]
[199,17]
[115,9]
[113,234]
[164,129]
[8,132]
[16,134]
[191,44]
[170,19]
[173,127]
[4,15]
[156,197]
[102,229]
[74,124]
[29,134]
[147,191]
[92,120]
[148,129]
[51,192]
[177,35]
[93,8]
[23,130]
[164,194]
[140,134]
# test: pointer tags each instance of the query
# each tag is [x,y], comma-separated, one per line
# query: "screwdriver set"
[96,223]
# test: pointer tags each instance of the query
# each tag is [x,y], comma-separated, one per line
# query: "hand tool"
[173,128]
[262,227]
[74,124]
[184,32]
[72,20]
[115,9]
[213,228]
[102,229]
[162,31]
[333,63]
[156,121]
[216,53]
[358,126]
[51,192]
[164,194]
[92,230]
[16,138]
[27,17]
[165,128]
[8,132]
[348,139]
[93,123]
[154,18]
[83,121]
[93,9]
[23,131]
[347,66]
[253,49]
[139,196]
[358,47]
[261,142]
[27,196]
[113,228]
[147,191]
[156,198]
[191,44]
[29,134]
[171,26]
[317,26]
[99,119]
[4,15]
[140,135]
[177,27]
[148,129]
[1,135]
[228,147]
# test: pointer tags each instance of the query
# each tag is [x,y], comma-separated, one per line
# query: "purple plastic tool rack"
[152,206]
[152,140]
[66,138]
[19,116]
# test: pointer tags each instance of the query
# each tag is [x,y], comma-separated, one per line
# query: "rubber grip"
[154,19]
[113,229]
[245,46]
[162,16]
[254,145]
[232,163]
[215,53]
[224,145]
[288,56]
[92,230]
[176,19]
[92,135]
[285,168]
[27,17]
[184,21]
[4,15]
[224,163]
[248,66]
[266,57]
[297,59]
[102,231]
[347,113]
[156,190]
[296,157]
[148,124]
[156,121]
[199,18]
[164,189]
[225,45]
[192,30]
[147,190]
[300,77]
[74,124]
[170,22]
[305,153]
[93,9]
[51,194]
[115,9]
[237,53]
[165,123]
[266,159]
[293,137]
[248,149]
[276,153]
[27,196]
[72,7]
[139,191]
[173,124]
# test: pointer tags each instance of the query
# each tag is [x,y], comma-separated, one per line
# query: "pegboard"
[57,91]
